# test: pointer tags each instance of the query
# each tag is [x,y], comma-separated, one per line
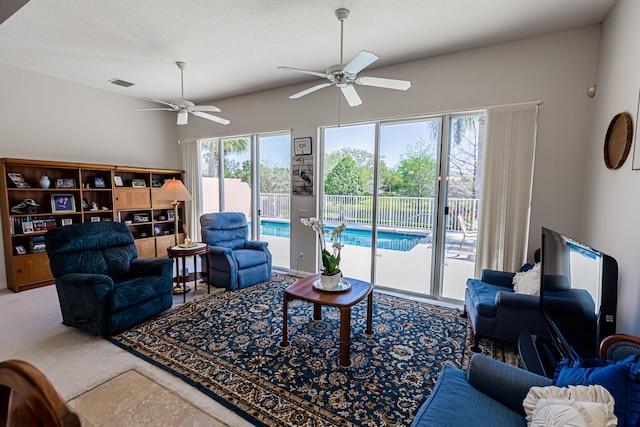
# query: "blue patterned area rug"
[227,345]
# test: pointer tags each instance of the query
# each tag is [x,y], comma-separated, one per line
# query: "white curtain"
[506,187]
[190,150]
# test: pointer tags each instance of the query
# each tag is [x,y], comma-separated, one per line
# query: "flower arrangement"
[330,260]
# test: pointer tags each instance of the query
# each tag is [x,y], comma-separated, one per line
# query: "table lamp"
[175,191]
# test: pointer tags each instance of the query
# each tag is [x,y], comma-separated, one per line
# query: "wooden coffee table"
[303,290]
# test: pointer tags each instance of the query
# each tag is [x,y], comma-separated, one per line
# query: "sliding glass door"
[401,187]
[256,182]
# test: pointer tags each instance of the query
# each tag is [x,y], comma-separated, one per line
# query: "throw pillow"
[577,406]
[527,282]
[621,378]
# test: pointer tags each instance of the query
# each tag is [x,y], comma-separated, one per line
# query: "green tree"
[464,156]
[274,178]
[210,150]
[417,170]
[345,178]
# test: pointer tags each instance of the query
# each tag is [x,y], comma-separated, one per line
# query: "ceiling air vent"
[120,82]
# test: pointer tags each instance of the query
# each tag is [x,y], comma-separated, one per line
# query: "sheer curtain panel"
[506,190]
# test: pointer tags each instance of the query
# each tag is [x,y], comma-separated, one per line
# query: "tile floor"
[131,399]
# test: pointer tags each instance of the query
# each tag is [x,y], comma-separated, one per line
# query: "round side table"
[181,252]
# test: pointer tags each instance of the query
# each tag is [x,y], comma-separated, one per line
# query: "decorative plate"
[618,141]
[342,286]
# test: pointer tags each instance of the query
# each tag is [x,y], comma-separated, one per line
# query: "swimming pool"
[353,236]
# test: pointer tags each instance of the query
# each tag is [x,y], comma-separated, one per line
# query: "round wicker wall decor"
[618,141]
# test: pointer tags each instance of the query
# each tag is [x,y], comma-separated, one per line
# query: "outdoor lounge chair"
[467,232]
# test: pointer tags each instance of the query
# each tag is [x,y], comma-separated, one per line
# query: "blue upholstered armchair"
[498,313]
[234,261]
[102,286]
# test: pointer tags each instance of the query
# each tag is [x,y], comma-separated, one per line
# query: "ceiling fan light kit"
[184,107]
[344,76]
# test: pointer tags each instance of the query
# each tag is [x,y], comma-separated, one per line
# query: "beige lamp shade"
[174,190]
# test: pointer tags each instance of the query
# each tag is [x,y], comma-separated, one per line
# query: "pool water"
[353,236]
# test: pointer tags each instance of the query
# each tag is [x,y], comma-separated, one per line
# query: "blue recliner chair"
[102,286]
[498,313]
[234,261]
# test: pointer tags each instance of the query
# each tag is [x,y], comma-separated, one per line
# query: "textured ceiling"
[233,47]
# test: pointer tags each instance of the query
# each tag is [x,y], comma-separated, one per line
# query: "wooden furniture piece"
[619,346]
[27,398]
[304,290]
[31,204]
[195,250]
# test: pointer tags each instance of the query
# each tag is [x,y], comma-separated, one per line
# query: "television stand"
[537,354]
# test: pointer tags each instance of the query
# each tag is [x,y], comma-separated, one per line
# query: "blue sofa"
[234,261]
[103,287]
[490,394]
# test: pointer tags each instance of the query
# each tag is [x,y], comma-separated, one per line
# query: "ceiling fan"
[184,107]
[344,75]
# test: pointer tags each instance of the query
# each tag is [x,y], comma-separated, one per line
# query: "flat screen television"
[576,324]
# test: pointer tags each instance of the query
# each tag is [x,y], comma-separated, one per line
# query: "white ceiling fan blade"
[360,62]
[300,70]
[173,106]
[351,95]
[211,117]
[152,109]
[205,108]
[183,117]
[385,83]
[310,90]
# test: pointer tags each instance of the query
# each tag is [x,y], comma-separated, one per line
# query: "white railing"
[405,212]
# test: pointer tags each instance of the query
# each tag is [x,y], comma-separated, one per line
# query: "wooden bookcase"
[77,192]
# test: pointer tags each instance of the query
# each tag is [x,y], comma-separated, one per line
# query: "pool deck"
[405,271]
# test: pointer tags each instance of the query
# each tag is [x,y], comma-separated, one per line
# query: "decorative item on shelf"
[94,206]
[331,274]
[26,206]
[174,191]
[117,180]
[138,183]
[44,182]
[85,203]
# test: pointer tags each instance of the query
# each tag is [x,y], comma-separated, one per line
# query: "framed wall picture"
[117,180]
[63,203]
[302,146]
[138,182]
[98,182]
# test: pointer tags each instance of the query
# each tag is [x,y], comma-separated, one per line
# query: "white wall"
[612,198]
[555,69]
[51,119]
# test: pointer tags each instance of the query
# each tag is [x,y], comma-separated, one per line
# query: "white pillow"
[528,282]
[573,406]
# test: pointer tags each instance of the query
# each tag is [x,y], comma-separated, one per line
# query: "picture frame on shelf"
[117,181]
[141,217]
[66,221]
[157,231]
[156,183]
[138,183]
[302,146]
[66,183]
[98,182]
[170,215]
[27,227]
[20,250]
[63,203]
[95,219]
[18,180]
